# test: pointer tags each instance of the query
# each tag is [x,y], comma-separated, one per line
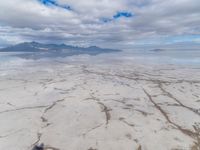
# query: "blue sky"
[106,23]
[123,14]
[51,3]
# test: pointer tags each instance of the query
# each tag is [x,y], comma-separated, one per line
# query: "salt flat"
[119,106]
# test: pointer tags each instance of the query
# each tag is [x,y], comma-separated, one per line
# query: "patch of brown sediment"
[143,112]
[106,111]
[196,145]
[127,123]
[168,94]
[137,78]
[193,134]
[50,148]
[139,147]
[43,119]
[52,105]
[128,108]
[129,105]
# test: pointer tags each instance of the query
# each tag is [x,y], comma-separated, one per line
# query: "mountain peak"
[55,48]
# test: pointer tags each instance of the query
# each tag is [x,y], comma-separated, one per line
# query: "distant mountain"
[157,50]
[34,50]
[39,47]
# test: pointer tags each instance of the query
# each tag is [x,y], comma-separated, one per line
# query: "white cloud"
[26,20]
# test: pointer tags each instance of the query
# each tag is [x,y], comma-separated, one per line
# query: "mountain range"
[39,47]
[35,50]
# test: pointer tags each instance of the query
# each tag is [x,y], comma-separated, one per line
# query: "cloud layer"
[105,23]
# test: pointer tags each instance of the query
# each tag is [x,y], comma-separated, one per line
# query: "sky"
[105,23]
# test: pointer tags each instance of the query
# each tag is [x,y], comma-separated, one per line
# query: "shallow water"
[168,57]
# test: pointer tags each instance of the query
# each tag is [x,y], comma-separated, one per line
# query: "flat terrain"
[72,106]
